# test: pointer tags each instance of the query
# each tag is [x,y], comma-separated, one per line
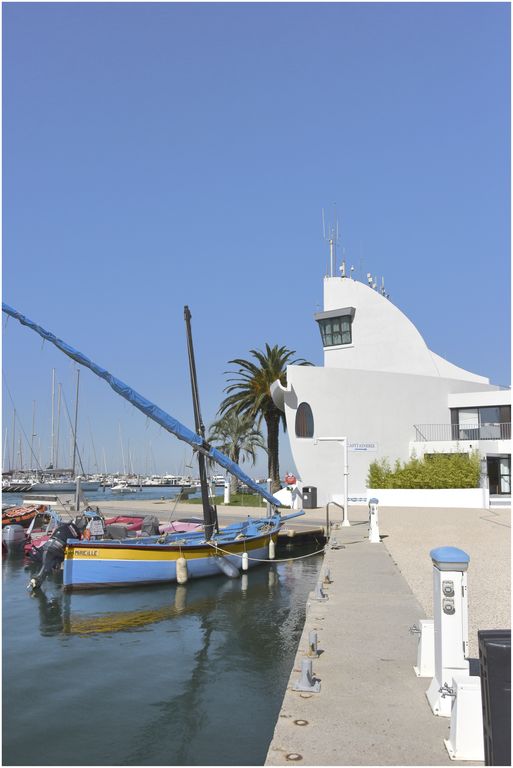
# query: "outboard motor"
[150,526]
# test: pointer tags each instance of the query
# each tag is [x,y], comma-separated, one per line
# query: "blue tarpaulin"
[148,408]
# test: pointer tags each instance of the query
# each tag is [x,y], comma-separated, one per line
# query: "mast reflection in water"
[169,675]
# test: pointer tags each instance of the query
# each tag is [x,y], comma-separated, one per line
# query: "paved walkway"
[371,709]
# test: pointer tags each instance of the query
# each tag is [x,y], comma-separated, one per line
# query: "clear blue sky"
[156,155]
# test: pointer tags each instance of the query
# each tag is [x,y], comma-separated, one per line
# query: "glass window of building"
[336,326]
[304,421]
[335,331]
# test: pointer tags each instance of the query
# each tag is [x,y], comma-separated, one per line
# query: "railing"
[328,520]
[431,432]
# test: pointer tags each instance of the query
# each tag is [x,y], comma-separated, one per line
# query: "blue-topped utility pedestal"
[450,615]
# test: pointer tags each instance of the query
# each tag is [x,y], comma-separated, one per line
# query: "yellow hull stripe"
[162,553]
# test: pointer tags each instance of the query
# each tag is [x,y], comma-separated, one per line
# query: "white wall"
[451,498]
[371,391]
[364,406]
[480,399]
[383,338]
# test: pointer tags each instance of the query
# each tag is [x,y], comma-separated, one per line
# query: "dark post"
[209,512]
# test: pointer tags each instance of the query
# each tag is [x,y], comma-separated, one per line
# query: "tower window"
[304,421]
[336,326]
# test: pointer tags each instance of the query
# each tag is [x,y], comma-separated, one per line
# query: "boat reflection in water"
[164,675]
[132,610]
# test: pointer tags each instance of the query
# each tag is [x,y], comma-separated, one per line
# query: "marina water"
[168,675]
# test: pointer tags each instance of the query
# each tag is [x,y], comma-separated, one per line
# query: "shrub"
[436,470]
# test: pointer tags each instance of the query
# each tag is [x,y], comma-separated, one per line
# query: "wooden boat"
[100,562]
[173,557]
[22,515]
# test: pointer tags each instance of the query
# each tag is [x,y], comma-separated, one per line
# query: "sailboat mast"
[209,512]
[14,438]
[75,429]
[52,452]
[33,432]
[59,394]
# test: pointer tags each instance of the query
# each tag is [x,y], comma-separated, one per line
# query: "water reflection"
[195,673]
[132,610]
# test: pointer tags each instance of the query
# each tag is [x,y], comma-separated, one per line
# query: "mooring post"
[312,644]
[307,682]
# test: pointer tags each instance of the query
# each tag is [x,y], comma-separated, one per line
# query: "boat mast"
[14,439]
[52,452]
[209,512]
[75,429]
[33,433]
[59,391]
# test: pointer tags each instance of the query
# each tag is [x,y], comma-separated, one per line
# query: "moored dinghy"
[98,562]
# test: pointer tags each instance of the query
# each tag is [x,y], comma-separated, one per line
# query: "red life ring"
[290,479]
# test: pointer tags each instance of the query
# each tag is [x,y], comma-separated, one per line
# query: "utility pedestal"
[450,612]
[373,522]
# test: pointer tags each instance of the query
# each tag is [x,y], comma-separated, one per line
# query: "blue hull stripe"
[87,574]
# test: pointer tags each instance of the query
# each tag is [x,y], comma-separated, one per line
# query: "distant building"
[389,395]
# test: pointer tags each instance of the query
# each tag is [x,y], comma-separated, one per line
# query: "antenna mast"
[333,239]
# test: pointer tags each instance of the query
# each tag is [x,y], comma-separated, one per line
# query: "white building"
[389,395]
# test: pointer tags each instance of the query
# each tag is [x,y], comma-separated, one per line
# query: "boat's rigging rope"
[20,425]
[263,559]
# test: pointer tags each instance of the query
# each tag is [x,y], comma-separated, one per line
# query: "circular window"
[304,421]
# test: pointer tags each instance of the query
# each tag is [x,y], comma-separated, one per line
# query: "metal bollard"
[307,682]
[373,522]
[450,612]
[319,593]
[226,499]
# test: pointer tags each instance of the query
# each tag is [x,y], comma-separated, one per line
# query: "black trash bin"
[309,497]
[495,671]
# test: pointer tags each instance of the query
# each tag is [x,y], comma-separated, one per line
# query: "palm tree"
[249,393]
[238,438]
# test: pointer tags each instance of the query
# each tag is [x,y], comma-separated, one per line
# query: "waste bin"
[309,497]
[495,671]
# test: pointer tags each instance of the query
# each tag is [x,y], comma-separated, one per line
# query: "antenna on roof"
[332,238]
[342,267]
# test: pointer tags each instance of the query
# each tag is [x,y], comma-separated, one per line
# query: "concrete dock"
[371,708]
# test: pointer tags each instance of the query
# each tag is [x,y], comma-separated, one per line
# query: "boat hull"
[65,487]
[100,564]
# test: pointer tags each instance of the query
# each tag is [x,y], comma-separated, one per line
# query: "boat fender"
[226,567]
[245,561]
[271,549]
[181,570]
[13,535]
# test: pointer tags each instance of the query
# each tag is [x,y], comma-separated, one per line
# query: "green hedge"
[437,470]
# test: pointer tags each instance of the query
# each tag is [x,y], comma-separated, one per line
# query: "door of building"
[499,474]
